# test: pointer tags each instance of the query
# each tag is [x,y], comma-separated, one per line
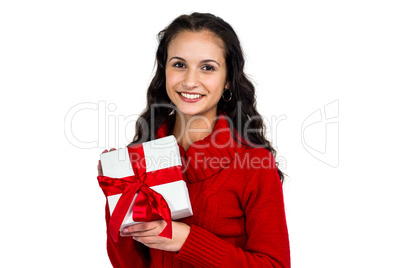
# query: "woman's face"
[196,73]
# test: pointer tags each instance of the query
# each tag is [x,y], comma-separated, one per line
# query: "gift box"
[144,182]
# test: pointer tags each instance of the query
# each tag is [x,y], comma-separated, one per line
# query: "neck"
[191,128]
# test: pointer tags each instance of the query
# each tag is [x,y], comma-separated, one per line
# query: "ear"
[227,85]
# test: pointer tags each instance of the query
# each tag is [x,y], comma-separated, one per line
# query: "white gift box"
[159,154]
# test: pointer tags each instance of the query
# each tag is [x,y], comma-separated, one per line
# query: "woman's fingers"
[152,228]
[140,227]
[180,234]
[148,233]
[100,172]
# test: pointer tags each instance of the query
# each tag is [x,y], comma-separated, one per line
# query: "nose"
[191,79]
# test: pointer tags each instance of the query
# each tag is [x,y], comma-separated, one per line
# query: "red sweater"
[239,218]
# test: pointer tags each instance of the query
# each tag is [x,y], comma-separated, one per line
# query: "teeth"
[191,96]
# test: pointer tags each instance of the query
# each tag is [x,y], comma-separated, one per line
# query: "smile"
[190,97]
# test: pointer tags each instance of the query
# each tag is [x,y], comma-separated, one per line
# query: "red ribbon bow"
[149,205]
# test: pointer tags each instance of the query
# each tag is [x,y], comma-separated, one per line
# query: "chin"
[188,112]
[193,111]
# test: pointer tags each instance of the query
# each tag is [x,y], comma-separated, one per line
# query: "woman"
[201,95]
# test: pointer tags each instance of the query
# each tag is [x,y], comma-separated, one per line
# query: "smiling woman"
[196,73]
[233,182]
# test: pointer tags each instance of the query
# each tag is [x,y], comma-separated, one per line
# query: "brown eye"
[208,68]
[179,65]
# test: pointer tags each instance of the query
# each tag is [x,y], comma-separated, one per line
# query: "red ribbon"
[149,205]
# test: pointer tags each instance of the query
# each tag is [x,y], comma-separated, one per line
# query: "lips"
[190,97]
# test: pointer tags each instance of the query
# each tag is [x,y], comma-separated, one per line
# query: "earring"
[225,92]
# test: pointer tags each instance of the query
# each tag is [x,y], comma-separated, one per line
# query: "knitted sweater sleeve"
[267,242]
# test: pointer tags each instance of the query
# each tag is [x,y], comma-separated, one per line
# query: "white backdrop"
[73,76]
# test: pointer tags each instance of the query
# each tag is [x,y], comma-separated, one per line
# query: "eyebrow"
[203,61]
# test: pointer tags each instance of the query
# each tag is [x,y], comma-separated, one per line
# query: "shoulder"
[256,158]
[254,169]
[262,183]
[258,168]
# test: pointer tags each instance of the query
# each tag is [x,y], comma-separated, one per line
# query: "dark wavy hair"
[241,108]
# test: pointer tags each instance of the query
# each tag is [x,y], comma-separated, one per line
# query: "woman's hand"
[147,234]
